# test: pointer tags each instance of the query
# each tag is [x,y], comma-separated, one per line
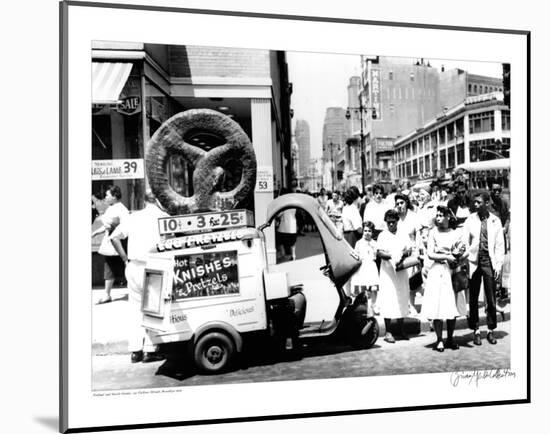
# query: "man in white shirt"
[142,231]
[483,232]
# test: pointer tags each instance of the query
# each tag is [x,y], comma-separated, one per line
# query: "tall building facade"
[301,131]
[335,134]
[401,94]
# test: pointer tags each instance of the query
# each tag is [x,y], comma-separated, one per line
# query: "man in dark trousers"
[483,233]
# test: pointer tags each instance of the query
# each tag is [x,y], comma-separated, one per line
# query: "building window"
[442,159]
[475,88]
[482,122]
[460,127]
[415,167]
[441,135]
[408,169]
[414,148]
[427,163]
[450,131]
[505,120]
[470,88]
[460,154]
[451,154]
[408,151]
[433,139]
[390,75]
[420,165]
[489,149]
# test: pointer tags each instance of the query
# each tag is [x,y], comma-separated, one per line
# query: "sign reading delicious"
[205,274]
[205,221]
[131,168]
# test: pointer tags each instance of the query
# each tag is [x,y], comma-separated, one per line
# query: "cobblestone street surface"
[114,372]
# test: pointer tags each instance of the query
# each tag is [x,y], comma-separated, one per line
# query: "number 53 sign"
[118,169]
[264,179]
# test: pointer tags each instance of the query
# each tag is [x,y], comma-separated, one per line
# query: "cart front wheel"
[214,352]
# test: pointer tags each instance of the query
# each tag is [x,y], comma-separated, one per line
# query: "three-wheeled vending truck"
[210,285]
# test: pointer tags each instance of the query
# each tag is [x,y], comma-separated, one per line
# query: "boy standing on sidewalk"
[483,233]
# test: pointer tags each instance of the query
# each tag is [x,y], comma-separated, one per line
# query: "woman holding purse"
[442,301]
[393,295]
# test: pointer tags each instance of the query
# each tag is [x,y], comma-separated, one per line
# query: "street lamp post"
[360,109]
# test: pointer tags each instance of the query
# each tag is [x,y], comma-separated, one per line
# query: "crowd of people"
[409,241]
[443,242]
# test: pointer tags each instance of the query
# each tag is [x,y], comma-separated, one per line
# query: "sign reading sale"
[130,168]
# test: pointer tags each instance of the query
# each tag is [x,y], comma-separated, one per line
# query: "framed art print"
[281,223]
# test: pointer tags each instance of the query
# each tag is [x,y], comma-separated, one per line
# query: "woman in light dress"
[366,278]
[440,301]
[393,297]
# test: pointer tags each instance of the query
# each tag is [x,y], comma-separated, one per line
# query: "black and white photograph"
[298,227]
[378,201]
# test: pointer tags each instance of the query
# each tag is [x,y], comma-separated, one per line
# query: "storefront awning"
[108,79]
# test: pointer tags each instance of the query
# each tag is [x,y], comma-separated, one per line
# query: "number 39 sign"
[117,169]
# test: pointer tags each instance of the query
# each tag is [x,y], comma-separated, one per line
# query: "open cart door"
[341,259]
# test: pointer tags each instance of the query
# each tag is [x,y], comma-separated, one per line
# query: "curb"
[416,326]
[110,348]
[413,326]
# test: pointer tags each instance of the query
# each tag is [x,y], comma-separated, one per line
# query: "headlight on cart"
[152,293]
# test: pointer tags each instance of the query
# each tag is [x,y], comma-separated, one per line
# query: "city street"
[115,372]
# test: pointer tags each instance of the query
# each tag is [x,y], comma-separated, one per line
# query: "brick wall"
[201,61]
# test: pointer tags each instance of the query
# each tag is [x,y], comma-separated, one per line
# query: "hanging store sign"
[264,179]
[375,93]
[132,168]
[129,106]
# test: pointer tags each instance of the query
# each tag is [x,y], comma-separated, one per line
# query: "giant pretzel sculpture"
[209,166]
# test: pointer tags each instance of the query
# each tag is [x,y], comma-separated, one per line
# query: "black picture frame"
[66,206]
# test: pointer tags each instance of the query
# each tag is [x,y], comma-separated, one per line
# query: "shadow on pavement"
[179,367]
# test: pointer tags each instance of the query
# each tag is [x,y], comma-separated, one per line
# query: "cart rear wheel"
[362,341]
[214,352]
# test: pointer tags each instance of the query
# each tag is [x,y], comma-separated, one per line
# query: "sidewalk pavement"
[110,324]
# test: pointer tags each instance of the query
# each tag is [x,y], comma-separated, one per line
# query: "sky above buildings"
[321,80]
